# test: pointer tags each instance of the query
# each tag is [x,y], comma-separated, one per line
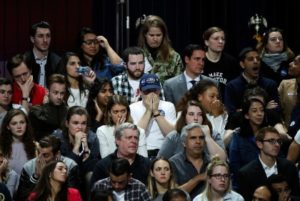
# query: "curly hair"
[6,136]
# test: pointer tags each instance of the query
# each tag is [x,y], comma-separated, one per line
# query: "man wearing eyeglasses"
[25,91]
[155,116]
[41,60]
[256,172]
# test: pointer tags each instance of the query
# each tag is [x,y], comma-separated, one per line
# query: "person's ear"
[32,39]
[259,144]
[242,65]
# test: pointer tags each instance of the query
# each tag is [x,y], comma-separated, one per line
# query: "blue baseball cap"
[149,82]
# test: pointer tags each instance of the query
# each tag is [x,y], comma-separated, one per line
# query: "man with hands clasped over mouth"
[155,116]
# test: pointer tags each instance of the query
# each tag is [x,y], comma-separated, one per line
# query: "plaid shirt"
[134,191]
[123,88]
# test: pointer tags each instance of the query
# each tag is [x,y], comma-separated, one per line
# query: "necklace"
[209,57]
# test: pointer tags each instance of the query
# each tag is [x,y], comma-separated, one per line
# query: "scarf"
[274,60]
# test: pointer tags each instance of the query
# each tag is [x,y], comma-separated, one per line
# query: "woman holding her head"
[99,94]
[53,185]
[161,178]
[218,184]
[160,58]
[95,51]
[193,112]
[207,93]
[117,112]
[78,82]
[16,139]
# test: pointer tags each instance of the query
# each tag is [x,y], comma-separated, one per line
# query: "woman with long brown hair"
[16,139]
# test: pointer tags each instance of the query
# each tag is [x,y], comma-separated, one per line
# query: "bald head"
[262,193]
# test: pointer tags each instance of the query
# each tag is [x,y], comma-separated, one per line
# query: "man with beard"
[175,88]
[42,61]
[257,172]
[127,83]
[250,77]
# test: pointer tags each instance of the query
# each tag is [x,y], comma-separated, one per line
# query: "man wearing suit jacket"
[256,172]
[175,88]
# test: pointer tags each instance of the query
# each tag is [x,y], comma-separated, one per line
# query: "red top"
[36,95]
[73,195]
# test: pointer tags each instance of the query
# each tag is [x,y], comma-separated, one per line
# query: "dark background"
[186,21]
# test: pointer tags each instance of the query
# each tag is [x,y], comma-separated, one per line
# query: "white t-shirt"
[76,99]
[106,137]
[153,133]
[119,196]
[136,89]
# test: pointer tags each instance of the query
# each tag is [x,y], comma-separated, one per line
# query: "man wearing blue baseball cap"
[156,116]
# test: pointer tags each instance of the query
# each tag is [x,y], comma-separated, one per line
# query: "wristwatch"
[26,99]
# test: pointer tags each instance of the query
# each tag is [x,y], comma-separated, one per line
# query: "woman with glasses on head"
[78,80]
[94,51]
[218,184]
[193,112]
[275,55]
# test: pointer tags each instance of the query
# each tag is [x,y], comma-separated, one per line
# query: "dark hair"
[93,93]
[199,88]
[51,141]
[174,193]
[244,51]
[6,138]
[15,62]
[119,167]
[42,24]
[5,81]
[131,51]
[43,187]
[276,178]
[74,110]
[62,69]
[101,194]
[116,100]
[246,129]
[261,133]
[189,49]
[99,57]
[181,122]
[56,78]
[155,21]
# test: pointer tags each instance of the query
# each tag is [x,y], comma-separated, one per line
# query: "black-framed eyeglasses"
[90,42]
[273,141]
[220,176]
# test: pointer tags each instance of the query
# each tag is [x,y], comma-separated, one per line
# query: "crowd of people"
[150,124]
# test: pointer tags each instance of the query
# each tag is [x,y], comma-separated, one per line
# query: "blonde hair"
[215,161]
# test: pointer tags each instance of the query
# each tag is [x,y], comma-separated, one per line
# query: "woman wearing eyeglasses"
[95,51]
[275,55]
[218,183]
